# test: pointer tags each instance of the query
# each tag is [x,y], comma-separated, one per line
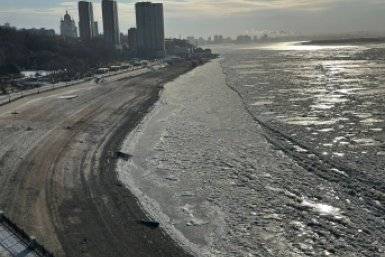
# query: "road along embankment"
[6,99]
[57,157]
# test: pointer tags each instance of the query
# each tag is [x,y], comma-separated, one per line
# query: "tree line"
[21,49]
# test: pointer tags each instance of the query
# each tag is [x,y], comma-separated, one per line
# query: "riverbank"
[57,157]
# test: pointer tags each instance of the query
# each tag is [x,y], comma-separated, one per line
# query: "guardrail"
[29,241]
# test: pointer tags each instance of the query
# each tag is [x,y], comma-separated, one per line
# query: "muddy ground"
[57,160]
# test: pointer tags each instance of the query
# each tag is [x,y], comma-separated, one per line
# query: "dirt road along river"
[57,162]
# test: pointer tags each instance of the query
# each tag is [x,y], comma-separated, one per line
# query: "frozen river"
[271,151]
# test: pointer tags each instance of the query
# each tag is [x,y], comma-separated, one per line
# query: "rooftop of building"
[147,3]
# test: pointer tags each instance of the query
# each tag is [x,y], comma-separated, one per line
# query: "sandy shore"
[57,167]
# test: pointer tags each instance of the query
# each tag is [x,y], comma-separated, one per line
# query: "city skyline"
[308,17]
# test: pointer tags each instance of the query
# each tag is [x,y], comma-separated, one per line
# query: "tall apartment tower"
[150,30]
[111,23]
[67,27]
[95,29]
[132,37]
[86,21]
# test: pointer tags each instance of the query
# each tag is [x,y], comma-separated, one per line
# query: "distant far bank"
[345,41]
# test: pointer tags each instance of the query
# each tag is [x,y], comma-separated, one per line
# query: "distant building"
[243,39]
[87,26]
[218,39]
[7,25]
[179,47]
[150,30]
[111,23]
[95,29]
[67,27]
[201,41]
[192,40]
[132,38]
[264,37]
[228,40]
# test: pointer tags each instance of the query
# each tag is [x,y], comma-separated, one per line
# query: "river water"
[273,150]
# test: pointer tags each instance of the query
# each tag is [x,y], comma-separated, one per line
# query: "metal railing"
[29,242]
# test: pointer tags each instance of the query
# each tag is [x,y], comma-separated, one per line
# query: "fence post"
[32,243]
[1,216]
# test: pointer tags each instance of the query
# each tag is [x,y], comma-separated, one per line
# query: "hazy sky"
[229,17]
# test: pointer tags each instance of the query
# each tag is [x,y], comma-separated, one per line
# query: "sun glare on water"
[299,46]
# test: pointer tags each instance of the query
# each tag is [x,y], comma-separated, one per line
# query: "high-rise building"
[218,39]
[111,23]
[95,29]
[86,21]
[132,38]
[150,30]
[67,27]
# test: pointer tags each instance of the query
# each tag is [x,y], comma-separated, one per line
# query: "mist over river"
[273,150]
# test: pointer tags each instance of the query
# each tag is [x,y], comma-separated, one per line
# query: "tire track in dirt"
[65,190]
